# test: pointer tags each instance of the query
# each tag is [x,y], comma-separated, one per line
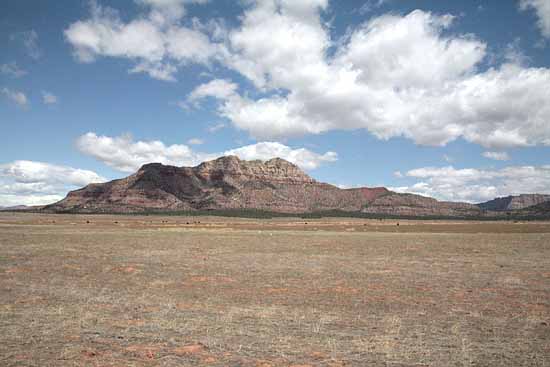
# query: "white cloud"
[36,172]
[265,118]
[156,70]
[126,155]
[156,42]
[13,199]
[394,76]
[542,8]
[218,88]
[195,141]
[497,156]
[15,96]
[279,43]
[11,69]
[105,34]
[216,127]
[168,11]
[514,54]
[302,157]
[38,183]
[410,51]
[171,9]
[371,5]
[29,39]
[48,98]
[477,185]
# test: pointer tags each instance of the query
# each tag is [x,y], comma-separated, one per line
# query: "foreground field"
[182,291]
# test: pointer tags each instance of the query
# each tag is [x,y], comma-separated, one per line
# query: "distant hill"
[229,183]
[514,202]
[536,211]
[18,207]
[225,183]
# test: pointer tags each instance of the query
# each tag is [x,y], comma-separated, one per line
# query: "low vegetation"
[103,290]
[263,214]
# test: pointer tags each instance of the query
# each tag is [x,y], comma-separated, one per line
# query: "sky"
[443,98]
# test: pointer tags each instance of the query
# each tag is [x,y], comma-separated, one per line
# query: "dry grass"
[148,291]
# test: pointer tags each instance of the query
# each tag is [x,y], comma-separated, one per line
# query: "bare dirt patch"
[86,291]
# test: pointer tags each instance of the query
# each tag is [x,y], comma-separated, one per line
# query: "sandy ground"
[100,290]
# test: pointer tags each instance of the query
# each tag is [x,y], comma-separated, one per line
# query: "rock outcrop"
[541,210]
[225,183]
[228,183]
[416,205]
[514,202]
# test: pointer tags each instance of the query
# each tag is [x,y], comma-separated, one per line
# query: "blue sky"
[441,98]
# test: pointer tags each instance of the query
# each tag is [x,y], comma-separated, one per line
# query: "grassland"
[99,290]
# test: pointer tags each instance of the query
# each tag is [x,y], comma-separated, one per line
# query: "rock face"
[514,202]
[541,210]
[416,205]
[228,183]
[225,183]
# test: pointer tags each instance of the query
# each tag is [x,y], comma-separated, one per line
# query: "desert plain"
[104,290]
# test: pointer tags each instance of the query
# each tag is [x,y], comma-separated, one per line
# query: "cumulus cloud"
[218,88]
[157,43]
[514,54]
[12,69]
[34,172]
[497,156]
[48,98]
[37,183]
[168,10]
[302,157]
[280,43]
[477,185]
[126,155]
[265,119]
[17,97]
[394,76]
[542,9]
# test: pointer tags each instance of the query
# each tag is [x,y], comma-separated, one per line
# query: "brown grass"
[155,291]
